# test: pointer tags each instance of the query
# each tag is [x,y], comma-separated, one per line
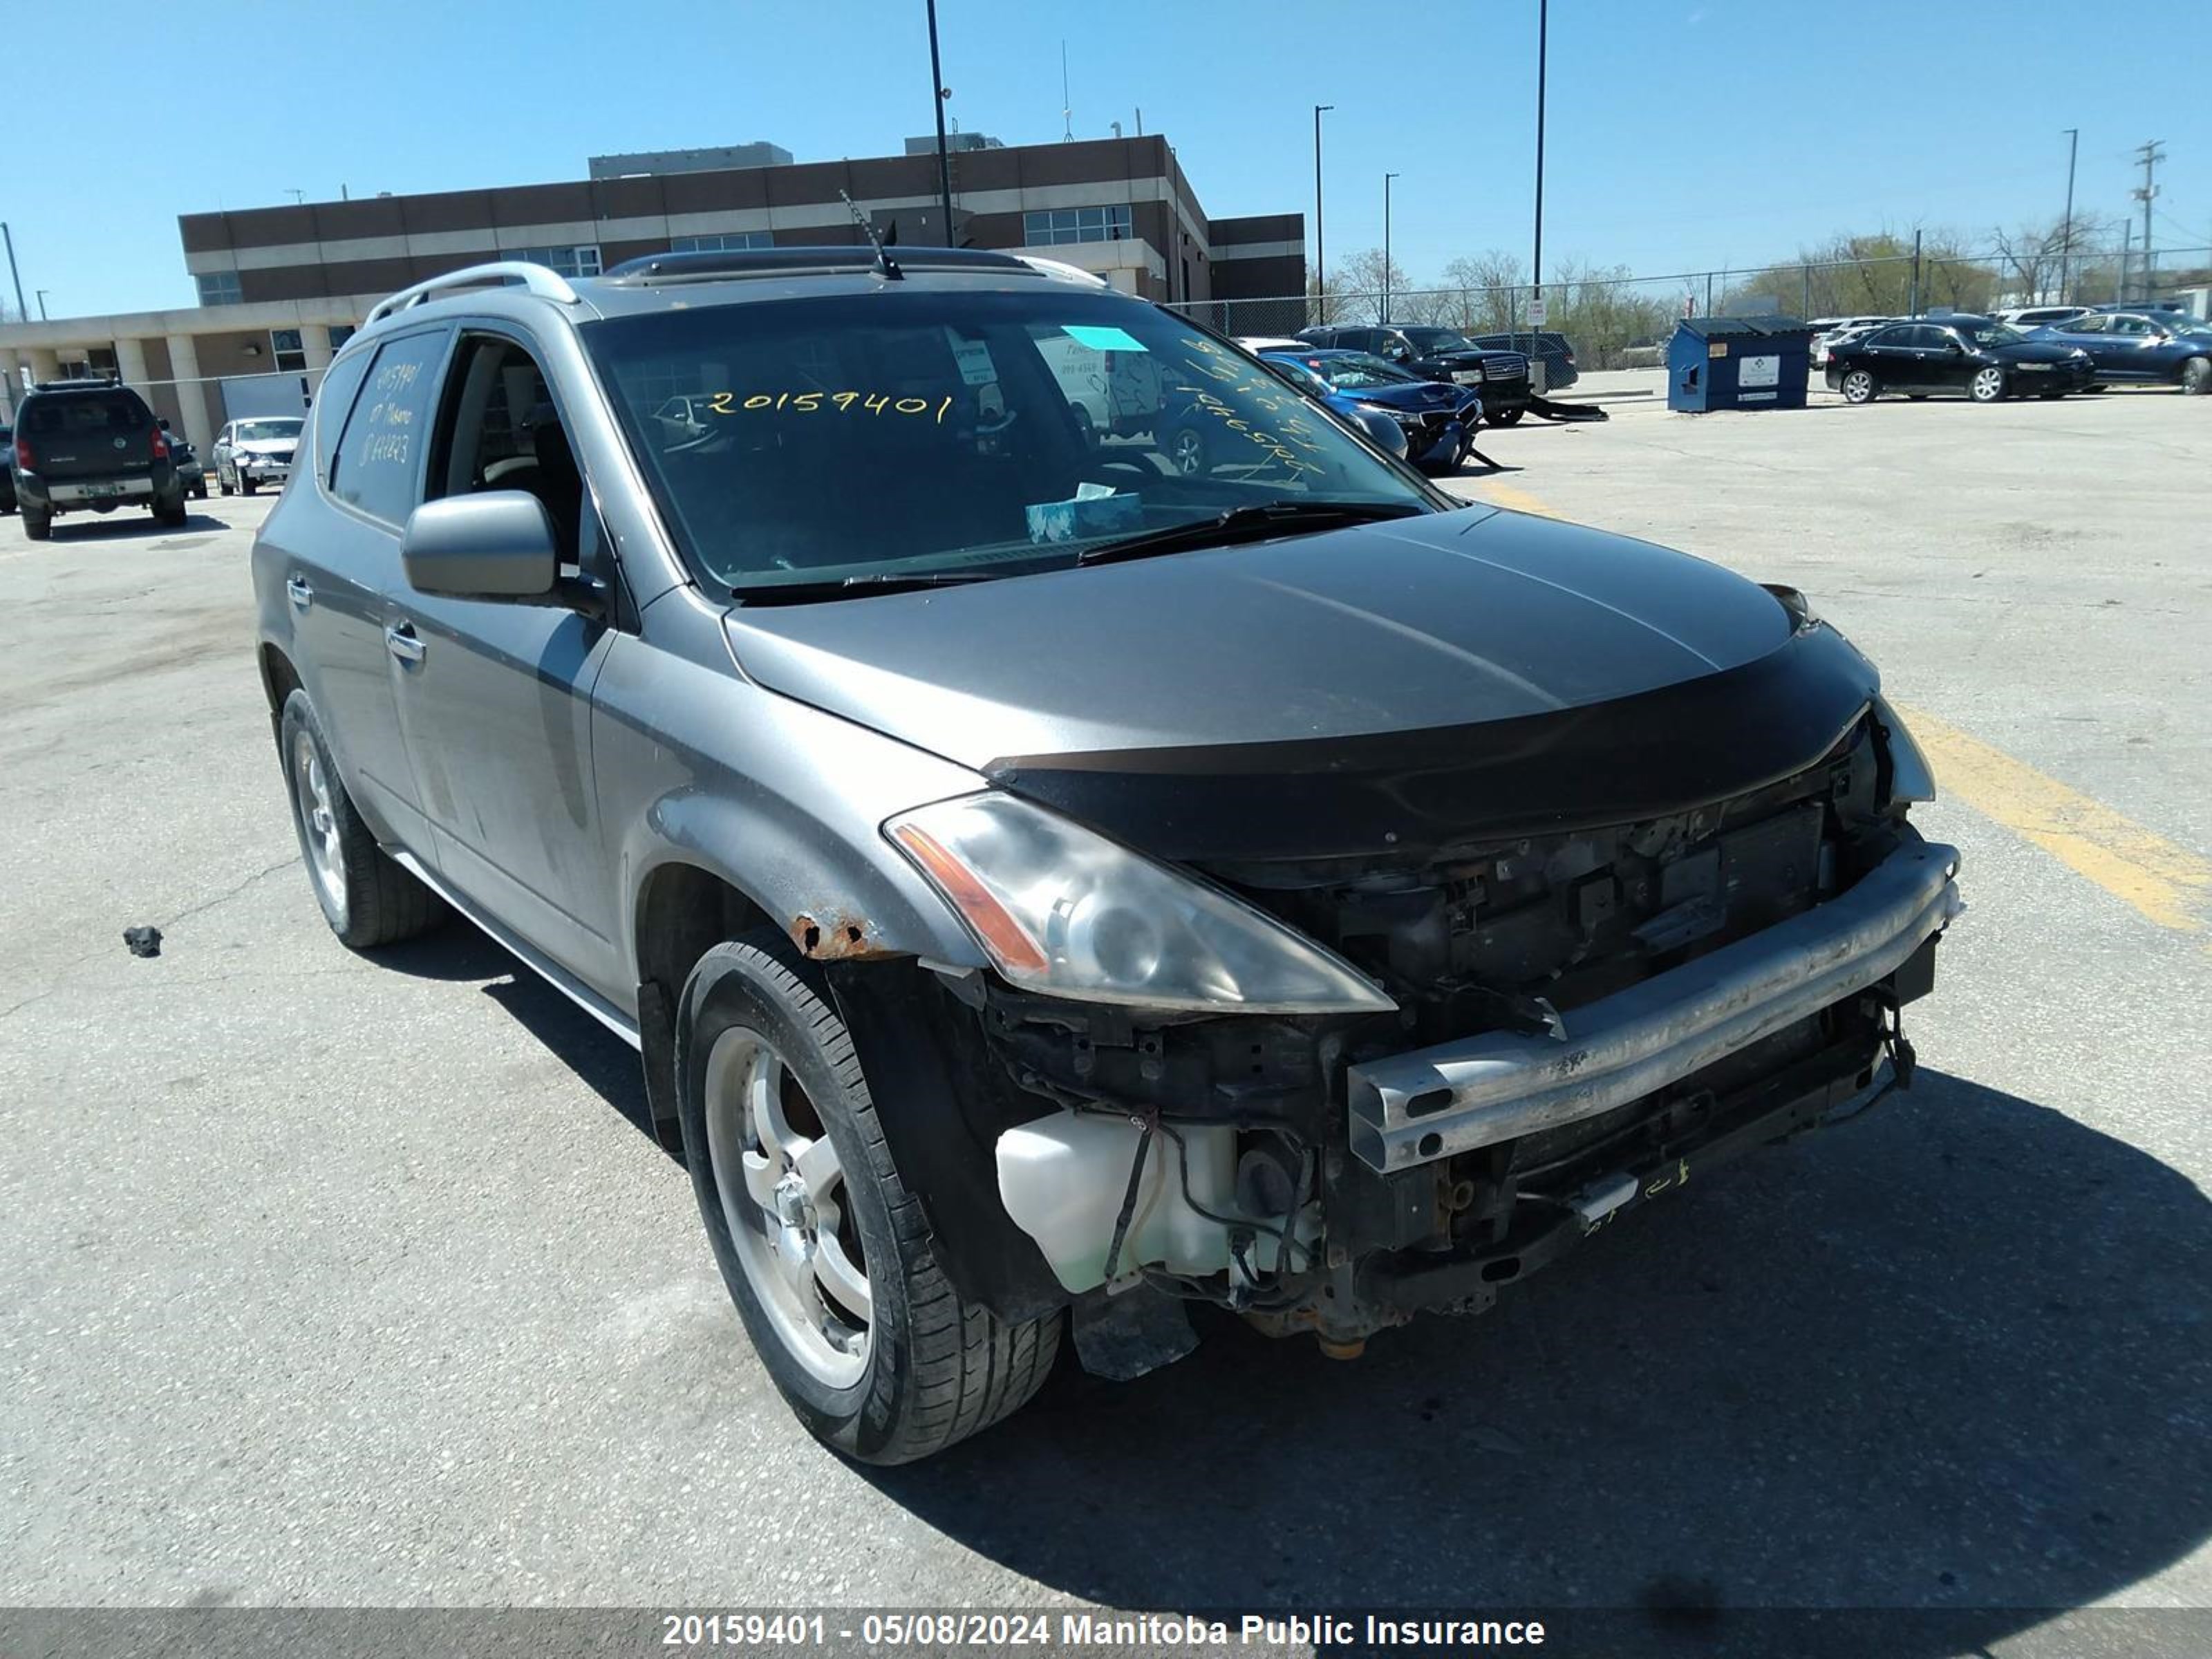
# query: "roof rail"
[541,280]
[1064,271]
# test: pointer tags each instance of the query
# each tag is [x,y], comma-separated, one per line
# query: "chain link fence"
[1619,320]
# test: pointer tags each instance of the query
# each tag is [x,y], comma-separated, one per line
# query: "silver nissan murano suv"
[1047,885]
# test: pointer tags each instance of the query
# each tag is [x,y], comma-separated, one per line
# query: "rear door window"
[380,459]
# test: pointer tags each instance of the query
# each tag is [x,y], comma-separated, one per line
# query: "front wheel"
[827,1255]
[366,897]
[1510,417]
[1859,386]
[1187,452]
[244,484]
[2197,376]
[1987,387]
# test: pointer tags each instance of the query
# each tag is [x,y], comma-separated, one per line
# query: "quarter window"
[730,241]
[580,260]
[380,456]
[333,398]
[1055,226]
[219,287]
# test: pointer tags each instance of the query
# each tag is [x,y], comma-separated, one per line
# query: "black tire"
[1989,385]
[39,526]
[221,482]
[199,490]
[936,1369]
[1508,416]
[2197,376]
[1859,385]
[369,900]
[244,484]
[173,514]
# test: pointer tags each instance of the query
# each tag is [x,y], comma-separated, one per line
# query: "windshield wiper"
[1243,523]
[846,587]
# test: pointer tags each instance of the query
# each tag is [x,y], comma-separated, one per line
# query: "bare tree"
[2032,257]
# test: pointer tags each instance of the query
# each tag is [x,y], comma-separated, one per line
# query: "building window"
[582,260]
[288,351]
[1090,224]
[730,241]
[340,333]
[220,287]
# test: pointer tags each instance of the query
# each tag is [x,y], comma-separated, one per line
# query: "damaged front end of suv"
[1375,1025]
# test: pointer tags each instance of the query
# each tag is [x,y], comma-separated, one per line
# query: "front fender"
[699,766]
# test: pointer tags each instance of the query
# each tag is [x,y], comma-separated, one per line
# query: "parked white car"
[248,454]
[1833,330]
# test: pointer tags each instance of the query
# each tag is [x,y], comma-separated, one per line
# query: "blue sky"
[1683,134]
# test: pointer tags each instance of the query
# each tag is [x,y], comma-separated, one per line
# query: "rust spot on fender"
[833,936]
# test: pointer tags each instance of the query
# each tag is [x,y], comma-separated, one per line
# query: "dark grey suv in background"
[1046,886]
[90,447]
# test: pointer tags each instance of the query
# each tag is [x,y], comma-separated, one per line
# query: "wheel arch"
[279,680]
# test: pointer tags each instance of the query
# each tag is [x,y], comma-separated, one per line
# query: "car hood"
[1327,659]
[1422,396]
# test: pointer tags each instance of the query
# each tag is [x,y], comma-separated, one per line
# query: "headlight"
[1798,607]
[1065,912]
[1910,777]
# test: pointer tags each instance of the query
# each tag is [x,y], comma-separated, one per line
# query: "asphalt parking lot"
[340,1281]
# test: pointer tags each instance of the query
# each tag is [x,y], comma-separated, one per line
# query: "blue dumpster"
[1738,363]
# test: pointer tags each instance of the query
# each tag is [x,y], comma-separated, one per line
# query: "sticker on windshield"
[1100,338]
[973,358]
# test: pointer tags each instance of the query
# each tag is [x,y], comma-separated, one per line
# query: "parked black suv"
[1551,348]
[1440,354]
[90,445]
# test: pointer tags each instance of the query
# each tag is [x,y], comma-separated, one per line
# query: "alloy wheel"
[1989,385]
[318,822]
[784,1200]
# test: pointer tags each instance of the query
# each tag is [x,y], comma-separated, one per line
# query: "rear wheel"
[39,526]
[827,1255]
[1987,387]
[366,898]
[2197,376]
[172,513]
[1860,386]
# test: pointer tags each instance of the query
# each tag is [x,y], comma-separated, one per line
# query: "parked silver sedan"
[252,453]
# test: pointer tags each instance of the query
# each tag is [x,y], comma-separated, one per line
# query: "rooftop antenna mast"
[1066,104]
[885,265]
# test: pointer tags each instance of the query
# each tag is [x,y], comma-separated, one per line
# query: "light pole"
[2066,237]
[1536,318]
[937,94]
[1387,178]
[21,309]
[42,304]
[1321,278]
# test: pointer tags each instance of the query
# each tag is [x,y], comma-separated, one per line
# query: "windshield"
[254,431]
[894,434]
[1990,334]
[1438,339]
[1350,373]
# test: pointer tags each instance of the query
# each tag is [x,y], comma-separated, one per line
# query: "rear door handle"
[401,641]
[300,593]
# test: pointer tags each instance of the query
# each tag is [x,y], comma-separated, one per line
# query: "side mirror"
[496,545]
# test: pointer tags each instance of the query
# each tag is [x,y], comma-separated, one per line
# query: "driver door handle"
[401,640]
[300,593]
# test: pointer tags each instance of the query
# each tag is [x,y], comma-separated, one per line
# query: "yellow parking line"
[2165,881]
[2161,880]
[1518,500]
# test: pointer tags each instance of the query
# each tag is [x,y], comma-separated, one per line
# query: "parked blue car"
[1438,421]
[2156,346]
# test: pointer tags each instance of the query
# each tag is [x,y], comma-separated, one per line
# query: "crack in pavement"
[200,908]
